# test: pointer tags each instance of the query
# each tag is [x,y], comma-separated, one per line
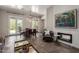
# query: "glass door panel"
[12,24]
[19,25]
[15,25]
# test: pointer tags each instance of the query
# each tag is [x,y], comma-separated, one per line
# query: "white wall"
[3,23]
[0,23]
[51,22]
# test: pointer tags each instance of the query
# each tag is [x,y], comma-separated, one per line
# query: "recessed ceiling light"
[34,8]
[19,6]
[16,6]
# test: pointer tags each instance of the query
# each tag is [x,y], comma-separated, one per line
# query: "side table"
[55,37]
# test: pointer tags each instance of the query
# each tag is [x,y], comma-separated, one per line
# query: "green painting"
[66,19]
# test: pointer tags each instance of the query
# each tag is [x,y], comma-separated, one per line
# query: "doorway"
[15,25]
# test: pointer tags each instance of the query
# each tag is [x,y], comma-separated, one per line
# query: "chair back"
[51,33]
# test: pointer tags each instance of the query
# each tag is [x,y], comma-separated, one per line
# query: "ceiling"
[25,10]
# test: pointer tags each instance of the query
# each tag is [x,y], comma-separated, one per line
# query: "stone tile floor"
[39,45]
[51,47]
[10,43]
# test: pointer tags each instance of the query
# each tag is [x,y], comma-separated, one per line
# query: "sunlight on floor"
[32,50]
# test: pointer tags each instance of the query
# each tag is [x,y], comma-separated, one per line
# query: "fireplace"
[65,37]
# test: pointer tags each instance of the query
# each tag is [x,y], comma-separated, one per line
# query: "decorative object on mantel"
[66,19]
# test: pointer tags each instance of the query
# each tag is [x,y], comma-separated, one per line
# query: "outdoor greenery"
[12,24]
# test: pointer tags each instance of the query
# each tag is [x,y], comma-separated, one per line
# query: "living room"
[58,9]
[15,19]
[39,29]
[44,21]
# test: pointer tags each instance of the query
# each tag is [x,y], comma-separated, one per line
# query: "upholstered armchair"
[48,36]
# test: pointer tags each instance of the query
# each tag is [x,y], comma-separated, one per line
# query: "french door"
[15,25]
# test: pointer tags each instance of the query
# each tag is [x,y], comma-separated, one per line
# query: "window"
[34,24]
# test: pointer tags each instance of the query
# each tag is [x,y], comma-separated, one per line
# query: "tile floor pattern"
[10,43]
[32,50]
[51,47]
[39,45]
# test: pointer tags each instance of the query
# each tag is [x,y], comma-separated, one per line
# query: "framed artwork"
[66,19]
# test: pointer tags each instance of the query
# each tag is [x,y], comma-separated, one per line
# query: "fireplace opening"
[65,37]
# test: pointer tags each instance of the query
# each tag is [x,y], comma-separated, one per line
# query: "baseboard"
[68,44]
